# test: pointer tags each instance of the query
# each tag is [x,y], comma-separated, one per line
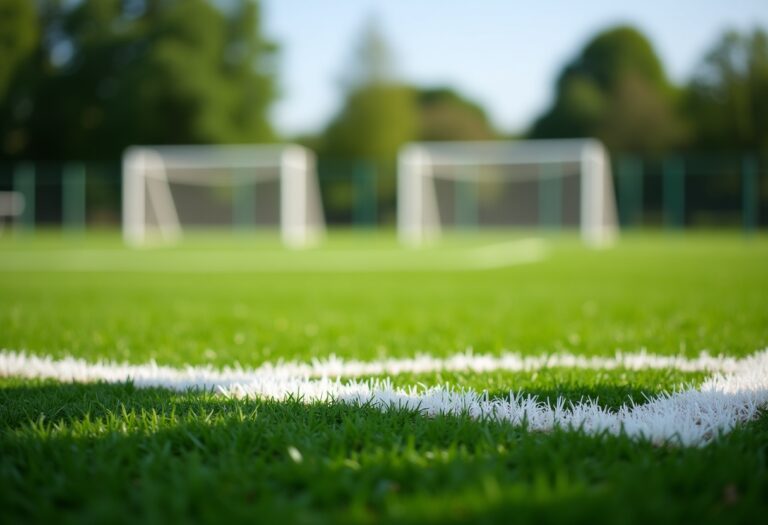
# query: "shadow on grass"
[115,453]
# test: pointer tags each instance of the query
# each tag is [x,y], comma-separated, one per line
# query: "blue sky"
[503,54]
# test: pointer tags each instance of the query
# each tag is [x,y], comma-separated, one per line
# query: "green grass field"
[114,452]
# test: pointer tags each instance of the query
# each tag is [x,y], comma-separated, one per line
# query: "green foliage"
[577,111]
[378,112]
[18,38]
[615,90]
[377,116]
[614,53]
[376,120]
[728,97]
[109,75]
[640,118]
[372,61]
[446,115]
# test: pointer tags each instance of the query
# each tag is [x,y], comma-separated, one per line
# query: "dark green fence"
[354,191]
[71,195]
[678,191]
[692,190]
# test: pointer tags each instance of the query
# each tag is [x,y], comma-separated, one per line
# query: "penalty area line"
[497,255]
[511,253]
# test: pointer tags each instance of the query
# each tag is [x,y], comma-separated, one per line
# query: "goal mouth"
[168,190]
[546,183]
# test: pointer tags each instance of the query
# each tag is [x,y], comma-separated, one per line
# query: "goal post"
[506,169]
[168,189]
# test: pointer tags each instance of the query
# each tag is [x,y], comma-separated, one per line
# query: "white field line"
[20,363]
[512,253]
[688,417]
[497,255]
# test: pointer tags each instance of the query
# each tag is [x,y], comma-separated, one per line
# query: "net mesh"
[220,198]
[540,183]
[507,196]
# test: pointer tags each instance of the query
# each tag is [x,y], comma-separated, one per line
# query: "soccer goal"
[528,183]
[171,189]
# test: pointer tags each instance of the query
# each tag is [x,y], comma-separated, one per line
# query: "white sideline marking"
[20,363]
[689,416]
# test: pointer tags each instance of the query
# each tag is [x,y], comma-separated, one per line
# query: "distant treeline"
[84,80]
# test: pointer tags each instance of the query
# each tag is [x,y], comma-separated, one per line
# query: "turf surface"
[98,452]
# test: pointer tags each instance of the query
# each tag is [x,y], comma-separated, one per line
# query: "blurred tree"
[18,37]
[615,90]
[374,122]
[640,118]
[111,73]
[727,99]
[377,116]
[446,115]
[378,112]
[19,40]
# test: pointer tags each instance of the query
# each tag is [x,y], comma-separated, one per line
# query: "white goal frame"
[418,218]
[147,178]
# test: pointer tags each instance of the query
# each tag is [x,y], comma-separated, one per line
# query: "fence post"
[630,178]
[465,200]
[24,183]
[674,192]
[243,202]
[749,193]
[550,196]
[73,197]
[364,180]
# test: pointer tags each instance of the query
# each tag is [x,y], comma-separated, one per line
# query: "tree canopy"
[88,79]
[727,99]
[378,112]
[444,114]
[616,90]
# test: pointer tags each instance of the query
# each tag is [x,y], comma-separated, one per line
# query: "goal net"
[171,189]
[528,183]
